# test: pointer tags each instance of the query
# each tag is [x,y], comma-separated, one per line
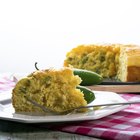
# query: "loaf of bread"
[53,89]
[118,61]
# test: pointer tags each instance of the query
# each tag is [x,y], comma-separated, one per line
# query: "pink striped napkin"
[119,126]
[6,83]
[124,125]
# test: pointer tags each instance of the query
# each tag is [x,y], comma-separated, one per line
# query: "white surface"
[7,112]
[45,30]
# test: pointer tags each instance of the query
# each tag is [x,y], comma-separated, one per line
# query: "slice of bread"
[54,89]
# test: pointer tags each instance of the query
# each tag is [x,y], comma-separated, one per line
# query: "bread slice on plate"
[53,89]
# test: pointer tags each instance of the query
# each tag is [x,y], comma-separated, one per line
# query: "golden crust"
[133,56]
[133,74]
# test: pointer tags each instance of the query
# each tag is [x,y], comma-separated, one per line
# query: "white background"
[44,31]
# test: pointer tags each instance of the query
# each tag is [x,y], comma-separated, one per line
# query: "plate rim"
[63,117]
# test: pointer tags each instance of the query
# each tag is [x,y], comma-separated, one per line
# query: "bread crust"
[133,74]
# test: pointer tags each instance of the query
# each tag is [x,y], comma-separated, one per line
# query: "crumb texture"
[54,89]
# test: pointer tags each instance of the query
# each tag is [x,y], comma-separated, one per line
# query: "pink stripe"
[110,134]
[136,136]
[83,130]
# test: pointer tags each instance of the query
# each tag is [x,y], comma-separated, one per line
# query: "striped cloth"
[119,126]
[6,82]
[124,125]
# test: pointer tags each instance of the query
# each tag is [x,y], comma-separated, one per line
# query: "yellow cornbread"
[129,63]
[108,60]
[54,89]
[102,59]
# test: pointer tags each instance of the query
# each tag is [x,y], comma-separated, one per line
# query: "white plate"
[7,111]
